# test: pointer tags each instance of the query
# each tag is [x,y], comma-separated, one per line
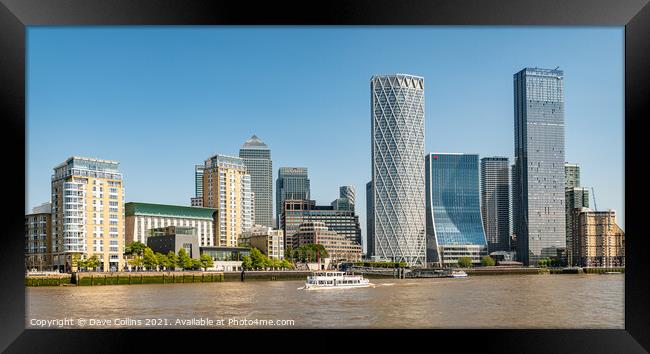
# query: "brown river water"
[503,301]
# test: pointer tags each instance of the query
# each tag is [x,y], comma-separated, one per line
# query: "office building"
[397,148]
[198,181]
[575,197]
[38,238]
[296,212]
[292,183]
[87,213]
[454,223]
[227,188]
[345,201]
[540,223]
[572,175]
[336,245]
[141,218]
[495,202]
[598,240]
[513,236]
[172,239]
[257,158]
[266,239]
[370,218]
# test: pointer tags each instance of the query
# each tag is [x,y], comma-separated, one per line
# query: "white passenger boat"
[458,274]
[335,280]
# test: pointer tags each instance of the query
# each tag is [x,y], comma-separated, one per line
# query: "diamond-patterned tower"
[397,125]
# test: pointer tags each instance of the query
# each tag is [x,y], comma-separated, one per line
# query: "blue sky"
[161,99]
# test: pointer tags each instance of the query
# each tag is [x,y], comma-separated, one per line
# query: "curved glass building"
[454,224]
[397,126]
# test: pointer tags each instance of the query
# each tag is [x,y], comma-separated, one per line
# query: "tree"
[246,263]
[206,261]
[172,260]
[196,263]
[184,260]
[464,262]
[92,262]
[136,262]
[487,261]
[285,264]
[149,259]
[162,261]
[258,259]
[135,248]
[289,253]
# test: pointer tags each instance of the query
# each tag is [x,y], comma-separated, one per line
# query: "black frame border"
[15,15]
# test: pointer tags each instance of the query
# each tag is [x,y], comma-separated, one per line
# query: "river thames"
[503,301]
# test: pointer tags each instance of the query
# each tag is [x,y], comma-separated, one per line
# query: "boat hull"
[332,287]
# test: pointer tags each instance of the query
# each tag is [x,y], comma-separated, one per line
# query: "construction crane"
[594,194]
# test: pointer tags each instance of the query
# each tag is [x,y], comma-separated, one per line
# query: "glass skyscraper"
[495,202]
[576,197]
[257,158]
[198,181]
[454,224]
[397,136]
[292,183]
[539,164]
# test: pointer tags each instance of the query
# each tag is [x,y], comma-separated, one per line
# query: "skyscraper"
[397,136]
[345,201]
[370,219]
[292,183]
[454,224]
[198,181]
[576,197]
[257,158]
[539,163]
[495,202]
[87,213]
[226,187]
[572,175]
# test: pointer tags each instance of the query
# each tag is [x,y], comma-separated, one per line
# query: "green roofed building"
[142,217]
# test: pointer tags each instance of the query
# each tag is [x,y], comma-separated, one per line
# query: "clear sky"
[161,99]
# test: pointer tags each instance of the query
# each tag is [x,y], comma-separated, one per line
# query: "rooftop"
[137,208]
[254,143]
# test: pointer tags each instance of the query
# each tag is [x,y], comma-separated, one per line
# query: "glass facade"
[539,163]
[292,183]
[495,202]
[454,223]
[397,136]
[198,181]
[257,158]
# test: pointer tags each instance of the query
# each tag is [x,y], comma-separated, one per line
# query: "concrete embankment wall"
[266,275]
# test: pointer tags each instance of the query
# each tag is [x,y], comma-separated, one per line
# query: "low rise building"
[337,246]
[598,241]
[173,238]
[266,239]
[226,259]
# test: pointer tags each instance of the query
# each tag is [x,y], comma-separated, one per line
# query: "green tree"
[135,248]
[196,264]
[487,261]
[162,261]
[289,253]
[172,260]
[246,262]
[184,260]
[258,259]
[464,262]
[206,261]
[149,259]
[285,264]
[92,263]
[136,262]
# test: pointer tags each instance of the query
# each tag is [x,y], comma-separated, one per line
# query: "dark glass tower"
[257,158]
[292,183]
[539,164]
[495,202]
[454,224]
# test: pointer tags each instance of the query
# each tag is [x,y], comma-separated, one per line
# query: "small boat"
[458,274]
[335,280]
